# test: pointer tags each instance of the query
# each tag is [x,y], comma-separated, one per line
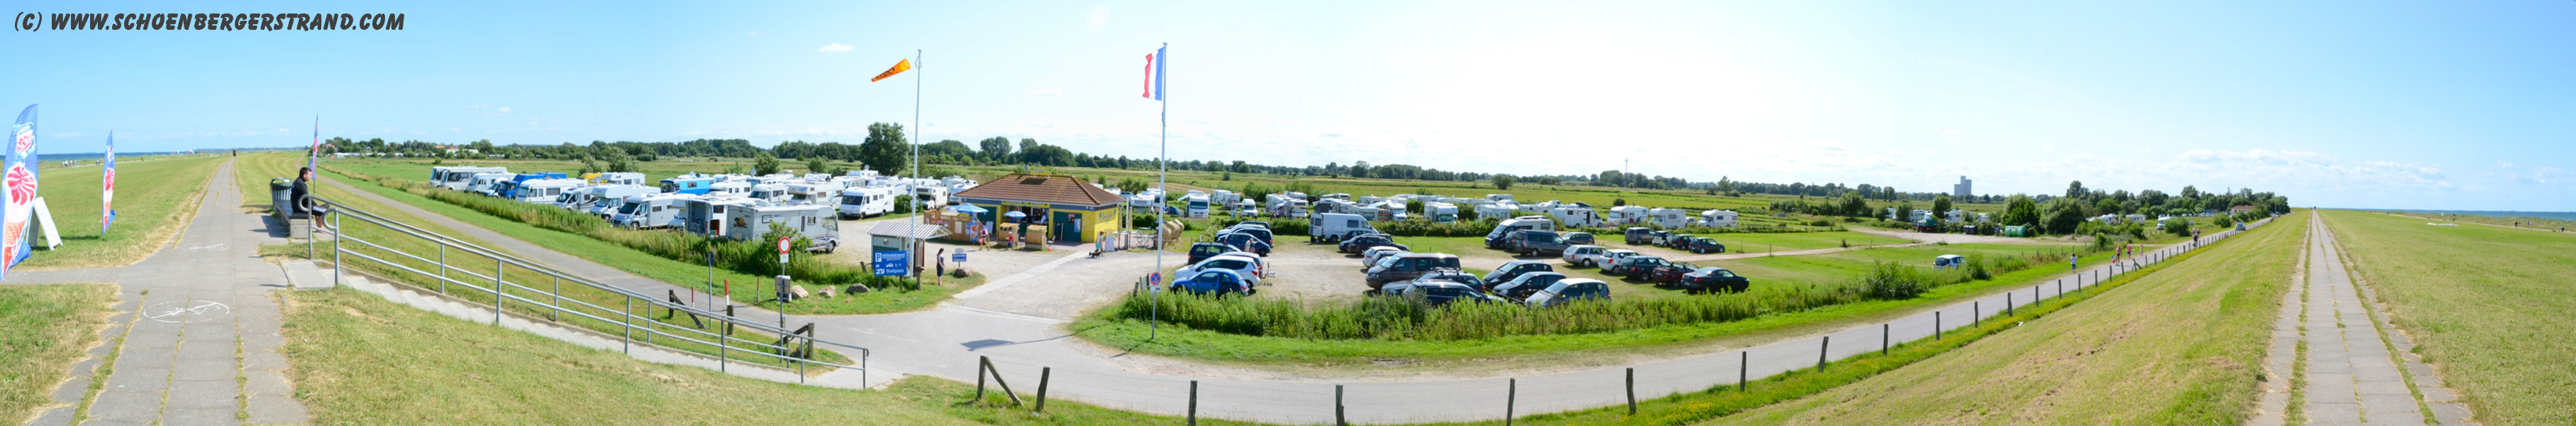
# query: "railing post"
[442,267]
[337,269]
[558,293]
[626,336]
[497,283]
[1936,325]
[2007,303]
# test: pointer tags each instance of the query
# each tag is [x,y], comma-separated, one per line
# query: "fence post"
[1340,415]
[1511,397]
[1936,325]
[2007,303]
[1632,391]
[1043,372]
[1822,349]
[1886,331]
[979,378]
[1743,369]
[1976,312]
[1194,403]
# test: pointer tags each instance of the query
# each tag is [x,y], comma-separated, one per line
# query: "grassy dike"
[2177,346]
[153,203]
[48,325]
[2487,306]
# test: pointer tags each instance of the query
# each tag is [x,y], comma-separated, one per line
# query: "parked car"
[1354,245]
[1245,242]
[1534,243]
[1521,287]
[1513,269]
[1714,279]
[1584,255]
[1949,261]
[1639,236]
[1440,292]
[1504,229]
[1675,240]
[1444,275]
[1214,282]
[1257,231]
[1702,245]
[1250,267]
[1634,267]
[1408,266]
[1370,257]
[1612,256]
[1579,238]
[1202,251]
[1669,273]
[1569,290]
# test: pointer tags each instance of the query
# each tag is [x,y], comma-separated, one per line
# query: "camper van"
[1337,226]
[867,202]
[813,221]
[929,196]
[1198,205]
[615,178]
[690,184]
[771,192]
[708,215]
[737,188]
[1577,215]
[814,192]
[1440,212]
[456,177]
[542,190]
[649,211]
[1717,218]
[1625,215]
[482,183]
[1494,239]
[1668,218]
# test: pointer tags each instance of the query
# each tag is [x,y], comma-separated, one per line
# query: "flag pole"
[912,231]
[1162,177]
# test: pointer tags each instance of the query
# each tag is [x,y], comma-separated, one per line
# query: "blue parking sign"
[891,263]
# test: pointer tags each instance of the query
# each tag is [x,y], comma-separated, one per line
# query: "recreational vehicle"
[812,221]
[1337,226]
[482,183]
[615,178]
[542,190]
[457,177]
[690,184]
[867,202]
[1440,211]
[708,215]
[1198,205]
[649,211]
[1668,217]
[1626,215]
[1494,239]
[1717,218]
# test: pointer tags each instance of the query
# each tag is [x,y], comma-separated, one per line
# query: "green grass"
[1182,342]
[686,274]
[2487,306]
[153,200]
[49,325]
[2181,346]
[357,359]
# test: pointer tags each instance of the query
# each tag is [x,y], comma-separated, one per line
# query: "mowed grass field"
[358,359]
[47,326]
[153,198]
[2489,307]
[2178,346]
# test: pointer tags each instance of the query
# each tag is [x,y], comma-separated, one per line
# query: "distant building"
[1960,190]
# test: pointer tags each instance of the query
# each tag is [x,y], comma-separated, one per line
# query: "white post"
[911,228]
[1161,178]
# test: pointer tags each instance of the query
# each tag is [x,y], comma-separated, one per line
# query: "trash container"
[279,190]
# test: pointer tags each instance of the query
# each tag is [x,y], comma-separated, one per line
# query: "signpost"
[890,263]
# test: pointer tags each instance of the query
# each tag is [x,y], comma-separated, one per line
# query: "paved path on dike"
[2351,376]
[199,330]
[946,342]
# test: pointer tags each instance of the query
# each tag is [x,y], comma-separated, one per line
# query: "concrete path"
[947,342]
[2352,378]
[196,335]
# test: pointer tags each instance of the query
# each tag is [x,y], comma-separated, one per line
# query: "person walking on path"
[2070,262]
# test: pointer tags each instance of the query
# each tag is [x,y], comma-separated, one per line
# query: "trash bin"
[279,190]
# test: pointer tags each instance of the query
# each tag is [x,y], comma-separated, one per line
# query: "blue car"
[1214,282]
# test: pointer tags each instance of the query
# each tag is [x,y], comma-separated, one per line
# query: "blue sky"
[2458,105]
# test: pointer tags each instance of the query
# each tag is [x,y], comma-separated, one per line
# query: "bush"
[1892,281]
[1395,318]
[902,204]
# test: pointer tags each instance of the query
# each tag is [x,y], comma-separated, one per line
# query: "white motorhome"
[709,215]
[1507,198]
[867,202]
[1337,226]
[1440,212]
[1576,216]
[814,192]
[929,196]
[618,178]
[1391,209]
[598,199]
[649,211]
[1198,205]
[1625,215]
[737,188]
[1225,197]
[1668,218]
[771,192]
[544,190]
[457,177]
[1497,209]
[1717,218]
[813,221]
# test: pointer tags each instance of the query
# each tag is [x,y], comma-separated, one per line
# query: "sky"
[2421,105]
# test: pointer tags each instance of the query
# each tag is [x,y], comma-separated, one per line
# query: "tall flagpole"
[913,231]
[1161,178]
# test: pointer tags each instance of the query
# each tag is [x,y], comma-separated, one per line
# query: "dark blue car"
[1215,282]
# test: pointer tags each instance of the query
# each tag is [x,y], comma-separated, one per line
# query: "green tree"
[2107,206]
[814,164]
[1618,202]
[2064,215]
[2020,210]
[1905,211]
[763,163]
[1504,181]
[996,149]
[885,149]
[2075,189]
[1855,205]
[1941,206]
[619,162]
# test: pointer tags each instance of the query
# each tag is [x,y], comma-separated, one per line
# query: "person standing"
[2070,262]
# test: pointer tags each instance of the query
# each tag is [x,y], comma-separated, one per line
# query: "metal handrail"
[553,300]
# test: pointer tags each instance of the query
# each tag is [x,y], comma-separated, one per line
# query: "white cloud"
[1099,18]
[504,110]
[1952,134]
[834,48]
[1051,91]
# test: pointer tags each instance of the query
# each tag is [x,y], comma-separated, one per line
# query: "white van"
[1336,226]
[867,202]
[1198,205]
[600,199]
[456,177]
[648,211]
[1717,218]
[1494,239]
[544,190]
[482,183]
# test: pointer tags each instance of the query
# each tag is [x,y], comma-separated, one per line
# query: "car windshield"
[1216,277]
[629,208]
[1651,261]
[1227,264]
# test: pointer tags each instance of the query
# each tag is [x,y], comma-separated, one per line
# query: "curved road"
[947,341]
